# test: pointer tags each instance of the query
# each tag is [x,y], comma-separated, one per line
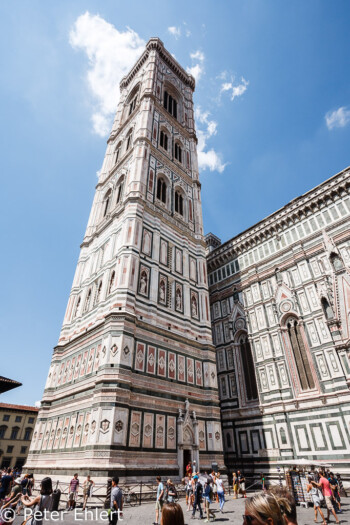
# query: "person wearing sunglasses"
[266,508]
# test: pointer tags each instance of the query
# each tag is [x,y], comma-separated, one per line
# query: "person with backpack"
[198,493]
[208,495]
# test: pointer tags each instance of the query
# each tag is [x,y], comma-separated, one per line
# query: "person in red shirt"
[325,486]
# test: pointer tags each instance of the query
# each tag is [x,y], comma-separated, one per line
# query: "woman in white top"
[221,491]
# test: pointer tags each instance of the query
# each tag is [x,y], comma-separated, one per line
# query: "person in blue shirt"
[160,498]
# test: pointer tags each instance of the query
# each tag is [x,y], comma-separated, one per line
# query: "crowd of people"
[275,506]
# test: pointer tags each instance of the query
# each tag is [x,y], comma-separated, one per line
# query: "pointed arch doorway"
[187,439]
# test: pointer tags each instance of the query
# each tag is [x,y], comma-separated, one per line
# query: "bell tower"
[132,385]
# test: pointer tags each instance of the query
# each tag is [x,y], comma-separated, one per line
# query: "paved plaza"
[144,515]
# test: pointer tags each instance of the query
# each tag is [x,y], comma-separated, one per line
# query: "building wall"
[282,288]
[136,338]
[16,430]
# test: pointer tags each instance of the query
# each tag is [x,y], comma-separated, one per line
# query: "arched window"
[128,141]
[87,300]
[170,104]
[132,105]
[111,282]
[77,307]
[98,293]
[161,190]
[117,152]
[327,309]
[120,190]
[3,429]
[14,432]
[336,261]
[300,355]
[163,141]
[106,202]
[248,368]
[178,152]
[179,202]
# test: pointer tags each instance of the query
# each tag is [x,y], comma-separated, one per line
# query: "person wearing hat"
[16,489]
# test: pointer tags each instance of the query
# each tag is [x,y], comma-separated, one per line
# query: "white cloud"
[175,31]
[236,90]
[37,404]
[209,159]
[111,54]
[197,70]
[338,118]
[197,55]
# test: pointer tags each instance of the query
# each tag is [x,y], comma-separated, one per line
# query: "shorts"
[235,488]
[242,486]
[72,496]
[316,501]
[159,505]
[329,503]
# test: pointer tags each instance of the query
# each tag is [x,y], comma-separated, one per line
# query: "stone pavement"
[144,515]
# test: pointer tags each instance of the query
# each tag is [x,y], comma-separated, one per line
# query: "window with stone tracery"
[111,282]
[106,202]
[120,188]
[248,368]
[179,202]
[117,152]
[163,141]
[161,190]
[77,307]
[300,355]
[178,152]
[87,300]
[170,104]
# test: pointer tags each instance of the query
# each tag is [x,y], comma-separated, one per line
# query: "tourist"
[42,502]
[160,498]
[316,499]
[335,490]
[6,483]
[172,514]
[198,493]
[73,492]
[87,489]
[290,513]
[325,486]
[189,470]
[266,508]
[189,494]
[170,492]
[235,485]
[241,483]
[220,491]
[116,502]
[25,484]
[208,494]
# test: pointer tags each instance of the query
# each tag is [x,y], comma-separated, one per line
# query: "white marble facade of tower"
[132,386]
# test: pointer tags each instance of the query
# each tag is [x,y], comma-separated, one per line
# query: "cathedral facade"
[280,310]
[132,386]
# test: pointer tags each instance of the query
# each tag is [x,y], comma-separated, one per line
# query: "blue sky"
[273,112]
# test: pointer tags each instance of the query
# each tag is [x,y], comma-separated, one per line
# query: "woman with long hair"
[265,508]
[41,503]
[172,514]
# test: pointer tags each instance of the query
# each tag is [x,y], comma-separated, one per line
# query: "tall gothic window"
[117,152]
[120,191]
[300,355]
[161,190]
[77,307]
[111,282]
[87,300]
[170,104]
[327,309]
[179,203]
[163,141]
[132,105]
[128,141]
[98,293]
[248,368]
[106,202]
[178,152]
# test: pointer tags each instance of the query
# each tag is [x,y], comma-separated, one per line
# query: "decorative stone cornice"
[296,210]
[157,45]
